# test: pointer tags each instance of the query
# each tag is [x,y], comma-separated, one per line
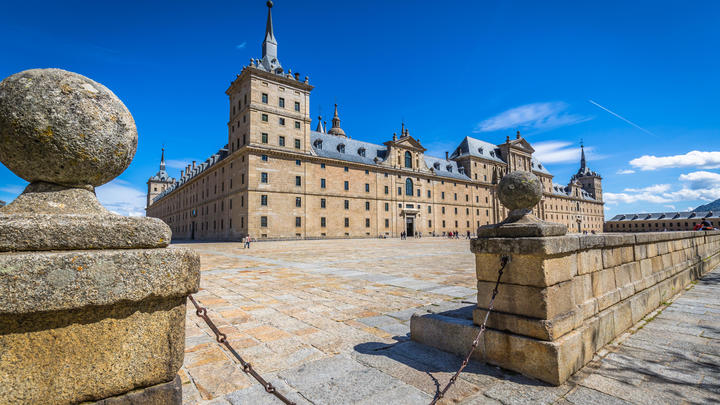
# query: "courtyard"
[328,322]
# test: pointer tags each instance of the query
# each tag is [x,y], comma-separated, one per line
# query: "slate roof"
[665,216]
[212,160]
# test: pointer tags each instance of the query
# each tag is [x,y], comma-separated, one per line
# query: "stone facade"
[278,179]
[563,298]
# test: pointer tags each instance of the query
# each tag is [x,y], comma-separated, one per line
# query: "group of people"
[416,235]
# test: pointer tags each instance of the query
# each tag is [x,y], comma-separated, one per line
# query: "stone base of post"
[169,393]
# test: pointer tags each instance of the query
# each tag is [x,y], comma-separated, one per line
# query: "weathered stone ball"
[519,190]
[61,127]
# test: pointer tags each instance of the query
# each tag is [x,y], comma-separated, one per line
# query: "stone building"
[277,178]
[661,221]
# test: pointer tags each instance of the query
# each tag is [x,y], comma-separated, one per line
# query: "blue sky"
[449,70]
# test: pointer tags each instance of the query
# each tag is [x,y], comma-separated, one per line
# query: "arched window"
[341,148]
[408,187]
[408,160]
[318,144]
[361,152]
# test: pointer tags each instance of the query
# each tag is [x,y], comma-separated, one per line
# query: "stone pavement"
[328,321]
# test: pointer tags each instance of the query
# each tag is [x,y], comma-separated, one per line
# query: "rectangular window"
[455,196]
[297,144]
[399,190]
[298,201]
[264,158]
[323,222]
[367,187]
[347,185]
[322,183]
[297,163]
[322,165]
[442,209]
[264,98]
[367,222]
[347,222]
[429,209]
[456,211]
[298,221]
[418,192]
[297,106]
[322,203]
[345,168]
[347,204]
[387,206]
[442,195]
[264,137]
[281,121]
[265,118]
[297,124]
[281,102]
[263,200]
[367,205]
[263,221]
[466,197]
[443,223]
[428,193]
[298,181]
[263,177]
[387,223]
[281,141]
[429,223]
[386,190]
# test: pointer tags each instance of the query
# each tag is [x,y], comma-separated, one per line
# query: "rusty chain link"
[246,367]
[503,262]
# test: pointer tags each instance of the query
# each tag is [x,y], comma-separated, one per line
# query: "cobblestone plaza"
[328,323]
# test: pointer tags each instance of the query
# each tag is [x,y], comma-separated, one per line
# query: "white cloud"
[625,171]
[670,206]
[701,179]
[119,197]
[701,160]
[535,116]
[700,185]
[559,152]
[241,46]
[657,188]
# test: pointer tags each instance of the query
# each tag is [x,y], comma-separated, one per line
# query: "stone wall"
[563,298]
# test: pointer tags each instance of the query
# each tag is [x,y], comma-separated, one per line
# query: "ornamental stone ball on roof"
[519,192]
[67,134]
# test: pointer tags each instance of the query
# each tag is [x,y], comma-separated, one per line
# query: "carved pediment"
[406,142]
[522,144]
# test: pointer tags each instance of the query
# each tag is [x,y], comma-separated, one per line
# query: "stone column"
[93,304]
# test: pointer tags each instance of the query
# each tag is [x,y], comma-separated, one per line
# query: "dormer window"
[540,165]
[449,168]
[436,165]
[480,150]
[341,148]
[318,144]
[492,153]
[361,152]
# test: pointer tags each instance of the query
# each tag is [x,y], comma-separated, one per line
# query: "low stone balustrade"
[562,298]
[93,303]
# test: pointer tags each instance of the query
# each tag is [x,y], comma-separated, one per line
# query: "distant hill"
[713,206]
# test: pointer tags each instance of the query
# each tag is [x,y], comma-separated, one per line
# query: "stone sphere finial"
[63,128]
[519,190]
[269,4]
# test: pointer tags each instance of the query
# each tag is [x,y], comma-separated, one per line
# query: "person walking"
[247,242]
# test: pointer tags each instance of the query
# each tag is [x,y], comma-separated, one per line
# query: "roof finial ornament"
[583,164]
[517,136]
[335,129]
[320,127]
[162,158]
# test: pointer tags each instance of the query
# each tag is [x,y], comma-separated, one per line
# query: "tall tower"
[589,180]
[269,106]
[336,130]
[159,182]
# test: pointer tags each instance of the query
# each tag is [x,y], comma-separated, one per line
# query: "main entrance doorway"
[410,226]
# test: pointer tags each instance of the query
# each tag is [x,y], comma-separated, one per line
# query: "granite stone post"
[562,297]
[93,304]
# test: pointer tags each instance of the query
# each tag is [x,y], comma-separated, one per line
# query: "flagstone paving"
[327,322]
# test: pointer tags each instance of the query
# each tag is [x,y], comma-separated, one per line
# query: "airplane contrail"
[622,118]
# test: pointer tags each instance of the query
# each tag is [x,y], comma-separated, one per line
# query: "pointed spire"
[269,45]
[320,125]
[335,129]
[582,157]
[162,159]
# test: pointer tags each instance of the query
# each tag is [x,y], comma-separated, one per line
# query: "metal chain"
[503,262]
[247,367]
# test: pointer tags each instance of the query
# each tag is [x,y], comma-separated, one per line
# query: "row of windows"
[281,102]
[346,222]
